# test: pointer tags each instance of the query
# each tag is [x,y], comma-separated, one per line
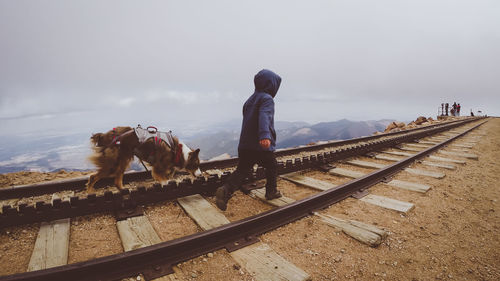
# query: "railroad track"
[158,257]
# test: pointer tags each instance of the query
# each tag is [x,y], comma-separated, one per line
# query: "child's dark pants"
[247,159]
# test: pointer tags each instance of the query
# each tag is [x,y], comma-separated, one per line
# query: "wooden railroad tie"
[365,233]
[419,172]
[137,232]
[459,154]
[258,259]
[418,187]
[52,243]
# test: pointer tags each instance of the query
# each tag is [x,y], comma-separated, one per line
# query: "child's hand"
[265,143]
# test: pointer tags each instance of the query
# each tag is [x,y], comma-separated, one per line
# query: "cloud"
[179,64]
[126,102]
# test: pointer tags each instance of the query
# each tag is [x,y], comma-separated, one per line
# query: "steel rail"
[128,199]
[169,253]
[80,183]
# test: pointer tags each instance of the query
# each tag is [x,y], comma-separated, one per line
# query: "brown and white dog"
[115,149]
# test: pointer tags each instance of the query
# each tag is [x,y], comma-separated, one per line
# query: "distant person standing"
[454,109]
[442,109]
[257,139]
[446,108]
[458,109]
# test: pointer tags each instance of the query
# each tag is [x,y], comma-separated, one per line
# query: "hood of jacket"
[267,81]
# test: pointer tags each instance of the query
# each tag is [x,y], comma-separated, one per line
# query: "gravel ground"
[451,234]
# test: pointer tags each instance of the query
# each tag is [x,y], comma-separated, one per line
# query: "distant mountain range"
[70,152]
[289,134]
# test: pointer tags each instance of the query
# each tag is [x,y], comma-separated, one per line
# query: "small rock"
[24,231]
[241,272]
[138,278]
[342,251]
[194,275]
[210,255]
[236,266]
[204,259]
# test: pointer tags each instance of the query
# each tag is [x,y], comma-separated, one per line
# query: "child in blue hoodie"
[257,139]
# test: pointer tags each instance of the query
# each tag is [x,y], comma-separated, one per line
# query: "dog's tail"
[96,158]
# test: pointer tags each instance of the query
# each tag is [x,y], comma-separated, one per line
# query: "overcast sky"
[89,65]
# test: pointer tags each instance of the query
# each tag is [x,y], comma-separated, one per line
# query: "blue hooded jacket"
[258,112]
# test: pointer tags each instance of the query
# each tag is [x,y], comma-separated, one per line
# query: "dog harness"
[116,137]
[152,132]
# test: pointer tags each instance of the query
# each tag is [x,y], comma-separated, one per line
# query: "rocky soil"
[451,234]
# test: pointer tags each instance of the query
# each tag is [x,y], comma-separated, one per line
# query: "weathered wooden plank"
[436,175]
[201,211]
[366,164]
[469,143]
[439,165]
[387,158]
[427,142]
[402,184]
[459,154]
[137,232]
[263,263]
[462,150]
[51,246]
[354,224]
[308,181]
[258,259]
[419,172]
[361,234]
[388,203]
[417,145]
[398,153]
[382,233]
[278,202]
[462,145]
[407,148]
[345,173]
[439,139]
[442,159]
[418,187]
